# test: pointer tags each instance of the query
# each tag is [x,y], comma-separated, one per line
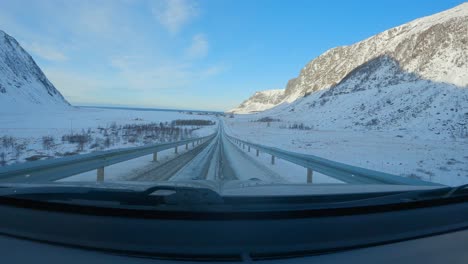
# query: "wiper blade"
[411,196]
[152,196]
[388,198]
[453,191]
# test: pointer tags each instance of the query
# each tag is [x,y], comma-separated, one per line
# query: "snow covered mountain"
[380,95]
[434,48]
[23,85]
[260,101]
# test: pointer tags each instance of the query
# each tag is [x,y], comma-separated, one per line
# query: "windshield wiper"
[152,196]
[183,195]
[454,190]
[412,196]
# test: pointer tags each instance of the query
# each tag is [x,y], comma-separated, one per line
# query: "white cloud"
[174,14]
[124,62]
[97,19]
[74,86]
[45,52]
[138,74]
[213,70]
[198,48]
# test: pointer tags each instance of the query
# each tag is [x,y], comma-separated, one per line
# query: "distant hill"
[260,101]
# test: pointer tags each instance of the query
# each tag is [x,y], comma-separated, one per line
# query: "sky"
[190,54]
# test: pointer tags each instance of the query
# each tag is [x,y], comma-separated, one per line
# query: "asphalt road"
[218,159]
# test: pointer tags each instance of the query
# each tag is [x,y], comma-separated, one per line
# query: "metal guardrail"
[337,170]
[55,169]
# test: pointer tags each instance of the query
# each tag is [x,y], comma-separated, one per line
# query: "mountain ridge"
[23,84]
[434,47]
[380,95]
[260,101]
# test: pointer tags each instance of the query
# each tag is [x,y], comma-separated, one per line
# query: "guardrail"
[337,170]
[55,169]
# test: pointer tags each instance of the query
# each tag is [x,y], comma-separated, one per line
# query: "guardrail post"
[272,160]
[243,146]
[186,146]
[100,174]
[258,152]
[248,148]
[155,156]
[309,175]
[175,150]
[193,144]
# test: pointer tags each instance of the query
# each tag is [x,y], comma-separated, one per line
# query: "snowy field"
[398,152]
[104,127]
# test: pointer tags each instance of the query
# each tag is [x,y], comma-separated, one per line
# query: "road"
[218,159]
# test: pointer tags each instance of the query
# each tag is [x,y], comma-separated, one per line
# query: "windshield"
[240,98]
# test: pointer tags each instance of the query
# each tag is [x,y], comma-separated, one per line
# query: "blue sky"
[205,54]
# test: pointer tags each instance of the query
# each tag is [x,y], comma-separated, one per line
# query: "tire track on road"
[166,170]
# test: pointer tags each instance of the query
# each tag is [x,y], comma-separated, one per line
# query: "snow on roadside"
[28,129]
[57,122]
[443,161]
[286,171]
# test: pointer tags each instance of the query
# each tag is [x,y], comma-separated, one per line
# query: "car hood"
[239,188]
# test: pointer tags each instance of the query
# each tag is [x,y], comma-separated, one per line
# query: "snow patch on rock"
[260,101]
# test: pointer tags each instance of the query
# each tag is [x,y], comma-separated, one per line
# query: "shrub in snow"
[48,142]
[299,126]
[2,159]
[80,139]
[8,142]
[373,122]
[192,122]
[18,149]
[267,119]
[107,142]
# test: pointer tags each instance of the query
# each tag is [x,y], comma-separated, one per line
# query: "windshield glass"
[240,98]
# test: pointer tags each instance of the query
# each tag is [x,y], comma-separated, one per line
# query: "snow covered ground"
[398,152]
[28,129]
[402,152]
